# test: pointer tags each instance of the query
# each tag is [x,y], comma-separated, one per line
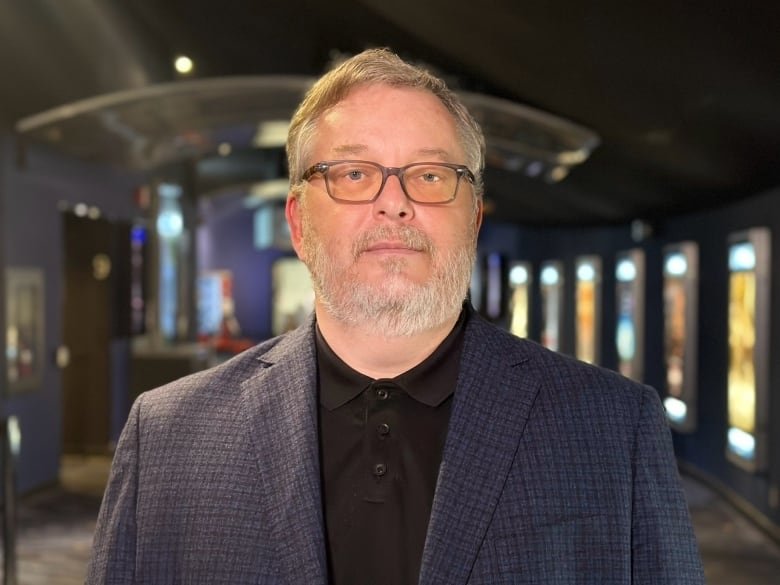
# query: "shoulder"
[561,377]
[220,387]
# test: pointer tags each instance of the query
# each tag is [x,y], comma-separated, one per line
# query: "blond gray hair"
[377,67]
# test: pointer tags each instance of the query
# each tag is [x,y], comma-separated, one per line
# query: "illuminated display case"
[680,289]
[475,286]
[293,294]
[587,298]
[24,335]
[493,289]
[519,297]
[748,340]
[551,287]
[630,299]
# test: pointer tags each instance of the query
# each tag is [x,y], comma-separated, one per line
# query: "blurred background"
[632,199]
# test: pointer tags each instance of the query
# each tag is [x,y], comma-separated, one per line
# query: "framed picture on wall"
[587,308]
[24,336]
[551,289]
[630,300]
[293,294]
[680,293]
[749,352]
[519,297]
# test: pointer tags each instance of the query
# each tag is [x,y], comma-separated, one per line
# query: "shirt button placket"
[382,395]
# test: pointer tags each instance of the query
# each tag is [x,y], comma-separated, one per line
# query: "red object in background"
[229,339]
[142,197]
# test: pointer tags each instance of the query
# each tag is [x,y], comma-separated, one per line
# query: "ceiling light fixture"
[184,65]
[524,139]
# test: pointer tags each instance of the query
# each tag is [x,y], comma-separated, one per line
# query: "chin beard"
[396,306]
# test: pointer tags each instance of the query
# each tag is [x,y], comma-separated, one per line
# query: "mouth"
[392,247]
[402,241]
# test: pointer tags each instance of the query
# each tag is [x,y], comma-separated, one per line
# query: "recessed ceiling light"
[183,65]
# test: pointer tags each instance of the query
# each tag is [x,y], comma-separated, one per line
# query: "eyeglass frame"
[323,166]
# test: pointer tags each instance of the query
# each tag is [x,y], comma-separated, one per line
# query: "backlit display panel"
[748,337]
[630,299]
[519,298]
[551,287]
[680,289]
[587,298]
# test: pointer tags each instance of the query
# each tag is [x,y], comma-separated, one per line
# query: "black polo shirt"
[381,444]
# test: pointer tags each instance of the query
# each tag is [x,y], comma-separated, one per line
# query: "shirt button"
[382,394]
[383,430]
[380,469]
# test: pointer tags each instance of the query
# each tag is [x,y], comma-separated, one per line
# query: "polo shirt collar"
[430,382]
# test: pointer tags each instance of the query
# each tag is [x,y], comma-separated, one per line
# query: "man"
[396,438]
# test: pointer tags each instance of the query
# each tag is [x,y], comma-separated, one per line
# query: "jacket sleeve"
[663,544]
[112,560]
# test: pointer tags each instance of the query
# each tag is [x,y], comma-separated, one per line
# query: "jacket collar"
[281,415]
[492,403]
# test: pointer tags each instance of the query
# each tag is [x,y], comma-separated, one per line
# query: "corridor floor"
[55,532]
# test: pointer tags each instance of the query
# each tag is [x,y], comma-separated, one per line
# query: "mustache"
[411,237]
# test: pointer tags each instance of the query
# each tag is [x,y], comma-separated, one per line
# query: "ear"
[479,215]
[292,211]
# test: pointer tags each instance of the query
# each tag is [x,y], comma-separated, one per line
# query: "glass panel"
[494,286]
[24,315]
[293,294]
[588,309]
[170,226]
[748,320]
[138,245]
[551,281]
[519,301]
[629,333]
[680,331]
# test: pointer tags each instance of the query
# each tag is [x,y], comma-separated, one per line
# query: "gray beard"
[394,307]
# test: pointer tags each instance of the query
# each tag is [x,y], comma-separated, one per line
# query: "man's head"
[390,243]
[377,67]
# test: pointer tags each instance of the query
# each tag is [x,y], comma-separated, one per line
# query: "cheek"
[325,236]
[458,231]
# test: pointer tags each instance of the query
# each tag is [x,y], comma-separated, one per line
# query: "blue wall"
[32,232]
[225,242]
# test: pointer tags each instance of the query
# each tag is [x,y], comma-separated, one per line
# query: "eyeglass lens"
[361,181]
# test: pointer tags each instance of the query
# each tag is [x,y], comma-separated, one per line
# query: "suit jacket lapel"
[492,402]
[281,411]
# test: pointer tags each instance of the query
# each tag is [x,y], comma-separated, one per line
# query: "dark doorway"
[96,257]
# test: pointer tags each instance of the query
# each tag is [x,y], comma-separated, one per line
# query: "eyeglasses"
[359,181]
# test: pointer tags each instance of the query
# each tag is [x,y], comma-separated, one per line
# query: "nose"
[392,201]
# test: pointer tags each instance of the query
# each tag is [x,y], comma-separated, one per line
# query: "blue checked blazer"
[553,473]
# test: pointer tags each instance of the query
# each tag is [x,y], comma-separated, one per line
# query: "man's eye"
[353,174]
[430,177]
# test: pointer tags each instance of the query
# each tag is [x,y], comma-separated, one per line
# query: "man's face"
[392,264]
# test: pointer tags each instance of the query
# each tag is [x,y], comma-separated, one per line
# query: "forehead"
[394,120]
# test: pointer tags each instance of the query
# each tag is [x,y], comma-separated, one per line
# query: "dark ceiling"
[685,95]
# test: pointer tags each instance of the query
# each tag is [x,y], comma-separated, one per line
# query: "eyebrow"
[359,149]
[350,149]
[434,152]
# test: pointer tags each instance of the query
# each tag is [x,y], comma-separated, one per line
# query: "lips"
[383,239]
[391,247]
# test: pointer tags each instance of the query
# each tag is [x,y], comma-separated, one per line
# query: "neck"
[369,352]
